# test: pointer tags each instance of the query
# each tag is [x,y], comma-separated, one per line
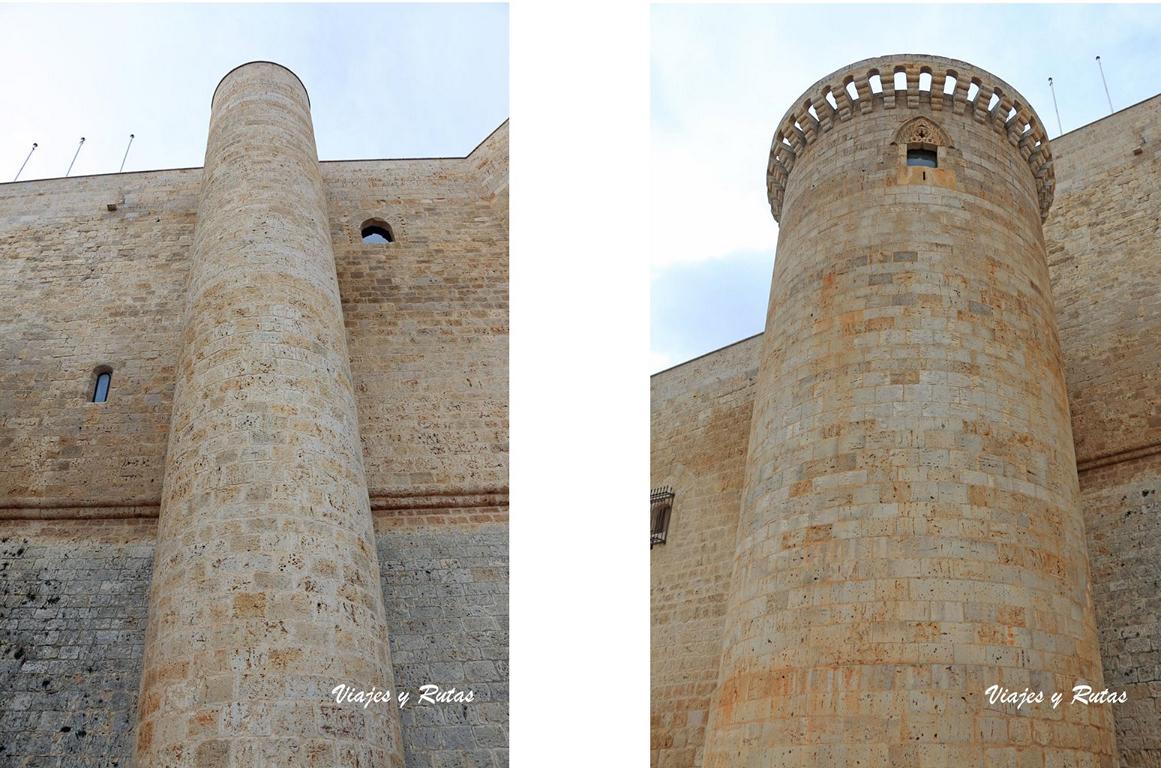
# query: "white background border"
[580,384]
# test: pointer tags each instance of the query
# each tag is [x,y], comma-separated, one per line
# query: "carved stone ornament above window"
[922,131]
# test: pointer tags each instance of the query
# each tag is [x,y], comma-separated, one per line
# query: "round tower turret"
[909,533]
[266,590]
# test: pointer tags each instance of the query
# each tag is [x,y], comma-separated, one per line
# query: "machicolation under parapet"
[870,84]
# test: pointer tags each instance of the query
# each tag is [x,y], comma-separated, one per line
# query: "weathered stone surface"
[1103,240]
[83,287]
[909,530]
[427,318]
[424,321]
[72,629]
[265,591]
[701,416]
[445,582]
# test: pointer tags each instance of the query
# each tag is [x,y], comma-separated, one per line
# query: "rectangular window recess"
[923,158]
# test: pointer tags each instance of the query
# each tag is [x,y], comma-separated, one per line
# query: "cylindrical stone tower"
[265,591]
[909,533]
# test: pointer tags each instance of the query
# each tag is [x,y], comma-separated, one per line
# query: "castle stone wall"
[1103,244]
[909,533]
[1102,247]
[1102,240]
[83,286]
[72,629]
[1122,506]
[445,583]
[700,423]
[427,323]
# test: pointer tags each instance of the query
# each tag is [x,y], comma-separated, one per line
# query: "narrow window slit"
[101,387]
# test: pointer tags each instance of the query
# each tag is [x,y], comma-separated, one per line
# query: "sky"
[722,77]
[385,81]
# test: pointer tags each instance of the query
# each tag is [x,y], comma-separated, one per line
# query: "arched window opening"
[377,232]
[922,158]
[101,387]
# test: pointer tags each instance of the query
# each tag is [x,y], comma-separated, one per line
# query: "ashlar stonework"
[935,470]
[299,478]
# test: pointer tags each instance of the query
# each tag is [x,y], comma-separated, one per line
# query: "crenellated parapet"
[932,82]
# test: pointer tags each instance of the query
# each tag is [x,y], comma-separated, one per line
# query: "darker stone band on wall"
[387,501]
[67,509]
[1119,456]
[452,498]
[72,626]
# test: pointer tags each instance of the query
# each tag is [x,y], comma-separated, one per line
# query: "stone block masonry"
[1103,244]
[72,629]
[82,286]
[445,581]
[424,323]
[908,531]
[699,428]
[1101,238]
[265,588]
[427,321]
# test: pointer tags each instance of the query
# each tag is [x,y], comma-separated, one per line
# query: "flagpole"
[70,170]
[122,168]
[25,161]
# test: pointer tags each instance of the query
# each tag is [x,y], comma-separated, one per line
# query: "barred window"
[660,505]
